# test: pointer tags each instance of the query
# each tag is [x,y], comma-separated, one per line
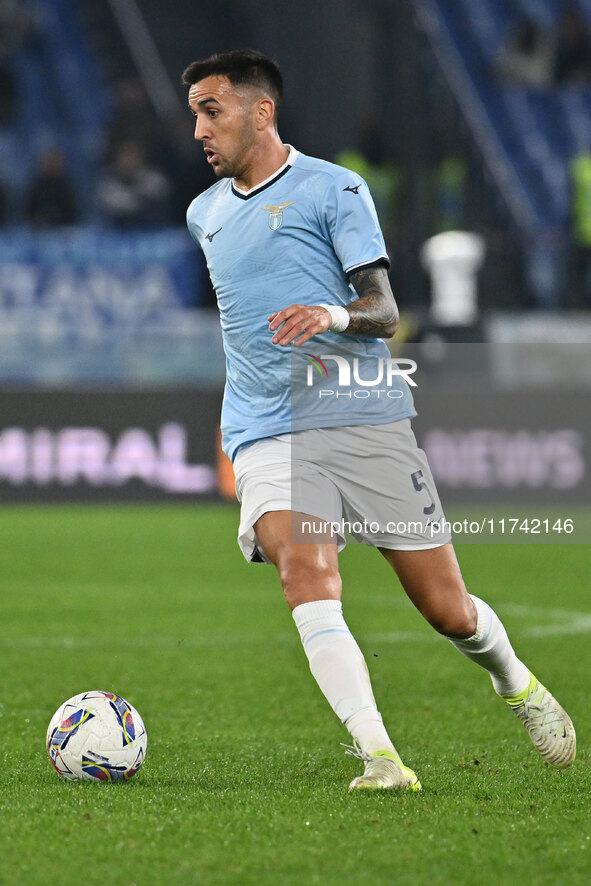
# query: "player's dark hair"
[240,66]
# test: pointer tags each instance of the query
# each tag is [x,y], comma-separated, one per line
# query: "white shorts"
[368,482]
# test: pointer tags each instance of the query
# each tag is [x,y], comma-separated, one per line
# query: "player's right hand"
[298,323]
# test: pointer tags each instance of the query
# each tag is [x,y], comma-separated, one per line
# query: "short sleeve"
[353,225]
[192,225]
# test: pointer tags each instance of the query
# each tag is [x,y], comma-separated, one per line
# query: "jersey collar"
[252,192]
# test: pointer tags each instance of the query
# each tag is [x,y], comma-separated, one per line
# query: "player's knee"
[307,577]
[457,621]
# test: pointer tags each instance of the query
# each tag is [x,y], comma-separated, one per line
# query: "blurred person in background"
[134,120]
[372,161]
[573,47]
[18,20]
[8,93]
[528,55]
[377,163]
[3,201]
[131,193]
[580,180]
[446,189]
[18,31]
[51,199]
[164,144]
[450,193]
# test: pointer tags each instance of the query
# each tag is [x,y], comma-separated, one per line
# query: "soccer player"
[296,255]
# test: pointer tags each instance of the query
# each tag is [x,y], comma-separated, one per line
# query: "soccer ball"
[96,736]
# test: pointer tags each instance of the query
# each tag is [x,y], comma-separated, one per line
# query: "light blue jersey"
[293,239]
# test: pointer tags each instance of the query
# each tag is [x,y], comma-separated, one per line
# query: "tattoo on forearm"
[375,313]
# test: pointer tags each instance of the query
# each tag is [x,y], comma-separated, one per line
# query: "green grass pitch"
[245,781]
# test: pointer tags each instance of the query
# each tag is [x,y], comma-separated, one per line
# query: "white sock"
[490,648]
[339,668]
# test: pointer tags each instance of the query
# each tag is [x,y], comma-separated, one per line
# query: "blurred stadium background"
[470,121]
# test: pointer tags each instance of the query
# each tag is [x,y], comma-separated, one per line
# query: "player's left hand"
[298,324]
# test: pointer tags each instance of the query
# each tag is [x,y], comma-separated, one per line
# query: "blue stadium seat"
[62,99]
[540,129]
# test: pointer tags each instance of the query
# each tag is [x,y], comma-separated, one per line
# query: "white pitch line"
[74,642]
[529,610]
[564,622]
[578,627]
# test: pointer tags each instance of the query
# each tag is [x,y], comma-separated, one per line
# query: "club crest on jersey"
[276,214]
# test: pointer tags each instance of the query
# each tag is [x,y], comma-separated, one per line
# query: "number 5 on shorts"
[416,477]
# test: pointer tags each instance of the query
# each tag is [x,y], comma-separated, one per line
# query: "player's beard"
[235,166]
